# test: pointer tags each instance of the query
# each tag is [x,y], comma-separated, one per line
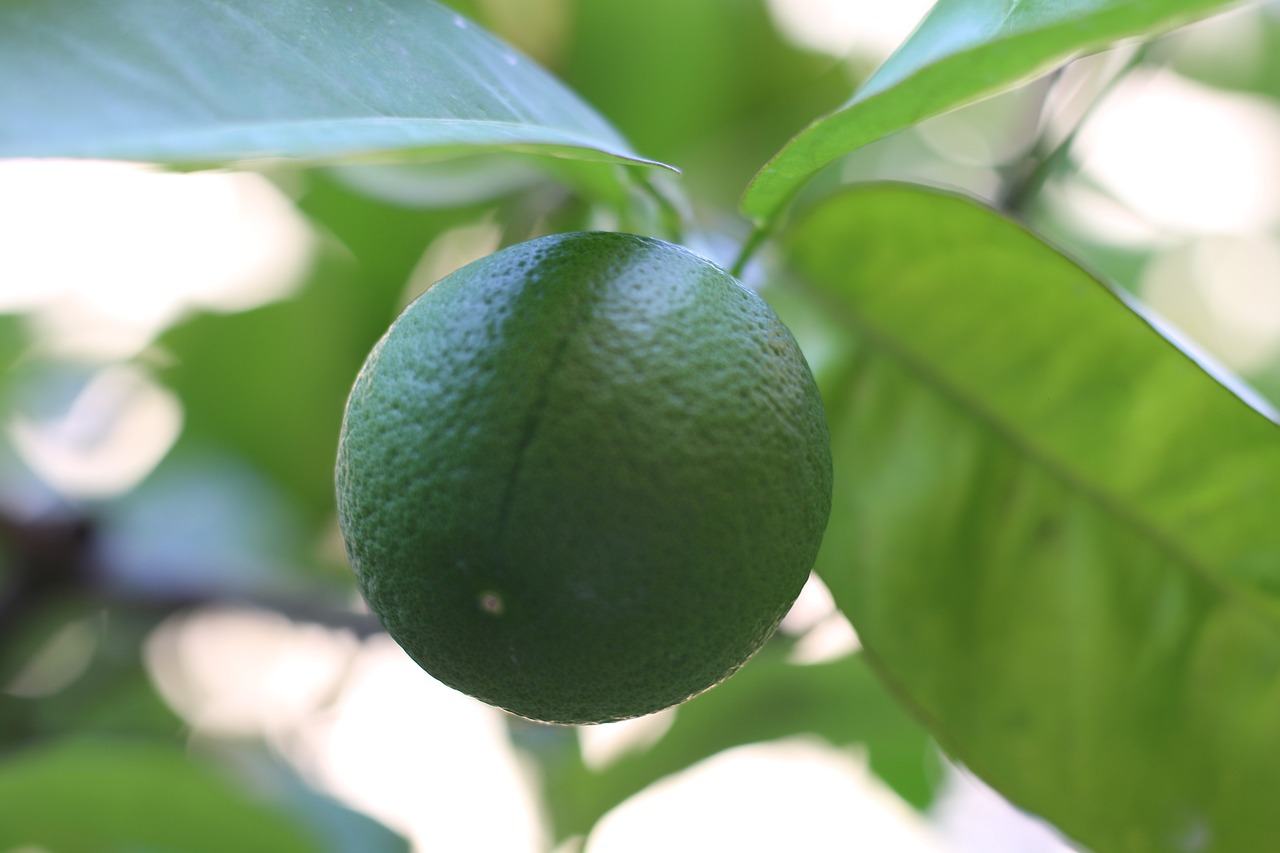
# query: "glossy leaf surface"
[207,82]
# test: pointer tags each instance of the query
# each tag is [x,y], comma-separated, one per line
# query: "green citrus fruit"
[584,478]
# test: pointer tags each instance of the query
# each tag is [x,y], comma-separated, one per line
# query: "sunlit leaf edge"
[336,142]
[879,108]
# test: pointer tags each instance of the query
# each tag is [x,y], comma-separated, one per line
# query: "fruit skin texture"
[585,477]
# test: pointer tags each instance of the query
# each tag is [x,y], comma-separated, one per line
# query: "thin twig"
[1037,169]
[749,248]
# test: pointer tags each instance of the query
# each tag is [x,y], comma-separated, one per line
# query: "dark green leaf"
[963,51]
[1052,529]
[112,695]
[211,81]
[95,795]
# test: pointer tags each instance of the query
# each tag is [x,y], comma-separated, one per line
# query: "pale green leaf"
[1053,530]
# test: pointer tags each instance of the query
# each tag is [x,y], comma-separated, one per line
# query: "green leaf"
[12,340]
[95,795]
[963,51]
[211,81]
[1054,532]
[769,698]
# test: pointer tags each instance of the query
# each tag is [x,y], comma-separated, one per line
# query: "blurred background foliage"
[176,615]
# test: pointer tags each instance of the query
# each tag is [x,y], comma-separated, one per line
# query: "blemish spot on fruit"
[491,603]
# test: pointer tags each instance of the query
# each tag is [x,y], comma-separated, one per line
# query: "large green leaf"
[98,794]
[963,51]
[1054,532]
[209,81]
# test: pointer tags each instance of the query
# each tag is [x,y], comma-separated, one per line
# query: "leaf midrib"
[887,345]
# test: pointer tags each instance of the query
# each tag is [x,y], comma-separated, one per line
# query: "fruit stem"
[758,235]
[671,208]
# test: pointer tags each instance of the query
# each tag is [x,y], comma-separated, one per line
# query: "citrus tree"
[1051,515]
